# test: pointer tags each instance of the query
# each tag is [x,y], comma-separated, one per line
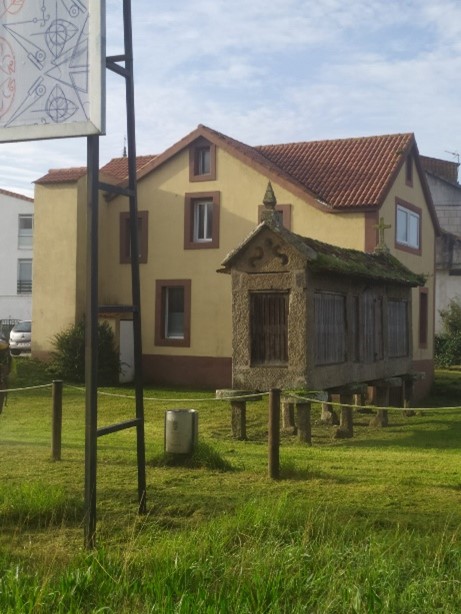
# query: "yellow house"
[197,201]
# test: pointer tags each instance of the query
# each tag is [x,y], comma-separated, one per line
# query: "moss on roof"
[379,265]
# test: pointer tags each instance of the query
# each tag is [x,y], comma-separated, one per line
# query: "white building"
[442,179]
[16,239]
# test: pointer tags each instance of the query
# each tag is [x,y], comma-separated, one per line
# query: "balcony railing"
[24,286]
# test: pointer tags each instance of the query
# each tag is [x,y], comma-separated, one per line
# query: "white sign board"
[52,68]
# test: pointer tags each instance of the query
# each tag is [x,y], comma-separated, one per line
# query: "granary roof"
[379,265]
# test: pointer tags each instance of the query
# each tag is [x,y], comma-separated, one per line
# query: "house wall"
[447,201]
[162,194]
[13,305]
[423,263]
[207,360]
[59,261]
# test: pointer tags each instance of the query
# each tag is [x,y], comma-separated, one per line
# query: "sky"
[275,71]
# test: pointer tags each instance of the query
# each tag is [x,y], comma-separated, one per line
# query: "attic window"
[202,161]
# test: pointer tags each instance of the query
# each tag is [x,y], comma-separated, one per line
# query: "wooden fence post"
[274,433]
[56,420]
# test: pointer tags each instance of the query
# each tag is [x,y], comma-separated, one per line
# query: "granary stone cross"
[381,227]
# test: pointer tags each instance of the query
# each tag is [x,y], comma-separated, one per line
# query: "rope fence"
[287,395]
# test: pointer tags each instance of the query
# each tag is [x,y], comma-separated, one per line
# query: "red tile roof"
[446,169]
[118,167]
[343,173]
[63,175]
[15,195]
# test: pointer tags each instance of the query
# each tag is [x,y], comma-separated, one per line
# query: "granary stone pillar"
[346,422]
[288,416]
[239,419]
[303,421]
[407,394]
[238,402]
[329,415]
[381,419]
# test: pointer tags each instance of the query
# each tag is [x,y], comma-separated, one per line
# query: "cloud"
[279,71]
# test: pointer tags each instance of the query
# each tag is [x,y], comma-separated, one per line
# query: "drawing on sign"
[45,60]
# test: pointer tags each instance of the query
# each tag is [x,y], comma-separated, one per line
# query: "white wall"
[12,304]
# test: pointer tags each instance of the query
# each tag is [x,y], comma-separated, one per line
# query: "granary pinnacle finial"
[269,214]
[269,199]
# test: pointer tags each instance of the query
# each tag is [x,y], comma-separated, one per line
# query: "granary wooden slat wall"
[330,328]
[398,328]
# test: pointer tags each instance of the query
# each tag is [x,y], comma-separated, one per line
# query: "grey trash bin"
[181,431]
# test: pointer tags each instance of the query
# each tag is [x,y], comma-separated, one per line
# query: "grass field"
[370,524]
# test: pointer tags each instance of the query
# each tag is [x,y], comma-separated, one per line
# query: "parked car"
[21,337]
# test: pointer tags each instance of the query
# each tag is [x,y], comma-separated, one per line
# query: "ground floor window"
[172,312]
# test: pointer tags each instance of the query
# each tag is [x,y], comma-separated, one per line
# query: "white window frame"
[408,227]
[203,221]
[25,235]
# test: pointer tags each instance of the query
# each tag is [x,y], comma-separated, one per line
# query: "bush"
[68,358]
[447,349]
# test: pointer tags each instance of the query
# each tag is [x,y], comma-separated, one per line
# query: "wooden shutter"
[269,328]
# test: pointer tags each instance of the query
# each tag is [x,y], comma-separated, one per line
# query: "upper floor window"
[125,237]
[25,231]
[24,285]
[201,220]
[408,227]
[202,161]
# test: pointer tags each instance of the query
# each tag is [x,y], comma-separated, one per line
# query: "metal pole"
[91,343]
[136,284]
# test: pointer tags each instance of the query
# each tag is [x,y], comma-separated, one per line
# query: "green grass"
[363,525]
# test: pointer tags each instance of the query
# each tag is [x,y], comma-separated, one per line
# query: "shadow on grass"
[203,456]
[430,433]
